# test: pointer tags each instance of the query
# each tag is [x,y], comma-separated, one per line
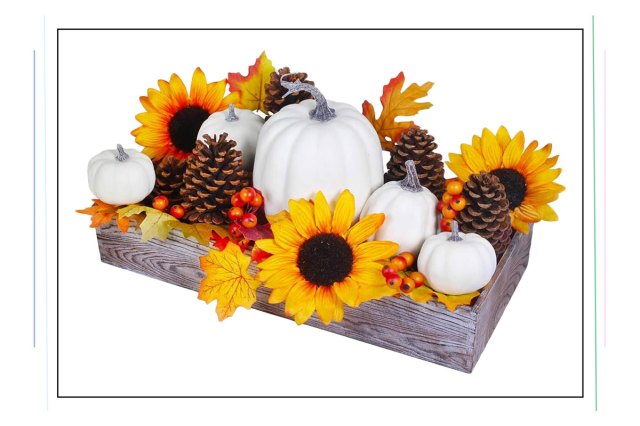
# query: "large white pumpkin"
[457,263]
[121,176]
[409,209]
[243,126]
[316,145]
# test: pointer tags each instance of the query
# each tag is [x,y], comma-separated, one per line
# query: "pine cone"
[274,101]
[418,145]
[169,179]
[487,210]
[214,173]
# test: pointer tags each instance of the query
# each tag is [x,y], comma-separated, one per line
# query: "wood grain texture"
[426,331]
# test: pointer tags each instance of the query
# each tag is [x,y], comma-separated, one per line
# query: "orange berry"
[160,203]
[257,201]
[446,224]
[448,212]
[235,213]
[418,278]
[236,201]
[446,198]
[247,194]
[458,203]
[398,263]
[408,285]
[409,257]
[454,187]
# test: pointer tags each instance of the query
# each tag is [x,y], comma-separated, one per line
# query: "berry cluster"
[161,203]
[452,202]
[245,204]
[397,276]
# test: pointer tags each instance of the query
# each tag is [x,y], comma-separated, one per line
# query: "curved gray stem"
[232,114]
[411,182]
[122,156]
[454,232]
[321,112]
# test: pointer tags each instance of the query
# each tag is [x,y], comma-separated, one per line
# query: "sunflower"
[526,173]
[173,117]
[320,262]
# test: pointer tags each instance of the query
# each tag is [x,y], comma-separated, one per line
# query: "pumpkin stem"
[232,114]
[122,156]
[411,182]
[454,232]
[321,112]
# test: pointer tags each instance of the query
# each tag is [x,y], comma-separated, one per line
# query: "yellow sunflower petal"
[476,142]
[286,235]
[459,168]
[276,263]
[547,213]
[325,303]
[527,213]
[374,250]
[338,311]
[302,217]
[269,245]
[278,295]
[503,137]
[284,278]
[513,151]
[301,301]
[160,101]
[214,100]
[548,163]
[491,150]
[347,291]
[367,273]
[343,213]
[526,156]
[543,178]
[146,103]
[198,87]
[178,91]
[365,228]
[536,159]
[473,158]
[518,224]
[322,213]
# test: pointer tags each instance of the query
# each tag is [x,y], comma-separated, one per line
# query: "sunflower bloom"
[526,173]
[173,117]
[320,262]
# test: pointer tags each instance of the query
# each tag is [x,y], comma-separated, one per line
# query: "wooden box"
[422,330]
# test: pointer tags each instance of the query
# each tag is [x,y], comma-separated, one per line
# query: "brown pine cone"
[169,179]
[418,145]
[487,210]
[274,101]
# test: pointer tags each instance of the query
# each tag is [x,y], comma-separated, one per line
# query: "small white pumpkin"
[457,263]
[316,145]
[119,176]
[409,209]
[243,126]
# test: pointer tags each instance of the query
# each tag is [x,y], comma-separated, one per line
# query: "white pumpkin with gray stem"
[456,263]
[316,145]
[119,176]
[409,209]
[243,126]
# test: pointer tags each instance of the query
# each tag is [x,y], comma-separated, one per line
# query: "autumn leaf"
[424,294]
[201,231]
[103,213]
[156,224]
[227,280]
[249,90]
[396,103]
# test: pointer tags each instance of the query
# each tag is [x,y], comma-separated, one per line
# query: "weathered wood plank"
[425,331]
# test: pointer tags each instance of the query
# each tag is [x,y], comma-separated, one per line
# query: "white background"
[122,333]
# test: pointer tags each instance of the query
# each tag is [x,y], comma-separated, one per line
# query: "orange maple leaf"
[103,213]
[424,294]
[227,280]
[396,103]
[248,91]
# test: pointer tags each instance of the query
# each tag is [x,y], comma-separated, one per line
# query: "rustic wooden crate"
[422,330]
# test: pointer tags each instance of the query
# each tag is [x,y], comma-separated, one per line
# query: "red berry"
[388,271]
[235,213]
[394,281]
[439,206]
[446,224]
[249,220]
[454,187]
[160,203]
[236,201]
[234,230]
[176,211]
[408,285]
[257,201]
[458,203]
[448,212]
[247,194]
[399,263]
[409,257]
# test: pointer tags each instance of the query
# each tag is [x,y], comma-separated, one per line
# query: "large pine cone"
[169,178]
[487,210]
[274,101]
[214,173]
[418,145]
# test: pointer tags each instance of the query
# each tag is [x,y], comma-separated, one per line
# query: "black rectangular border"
[58,30]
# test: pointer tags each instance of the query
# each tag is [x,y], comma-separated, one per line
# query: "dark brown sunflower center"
[184,126]
[514,185]
[325,259]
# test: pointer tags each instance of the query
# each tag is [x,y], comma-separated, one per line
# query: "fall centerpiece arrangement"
[289,190]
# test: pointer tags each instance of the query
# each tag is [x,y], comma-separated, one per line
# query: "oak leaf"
[424,294]
[248,91]
[103,213]
[396,103]
[227,280]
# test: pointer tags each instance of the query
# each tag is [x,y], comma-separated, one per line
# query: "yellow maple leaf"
[248,91]
[424,294]
[202,231]
[227,280]
[396,103]
[156,224]
[103,213]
